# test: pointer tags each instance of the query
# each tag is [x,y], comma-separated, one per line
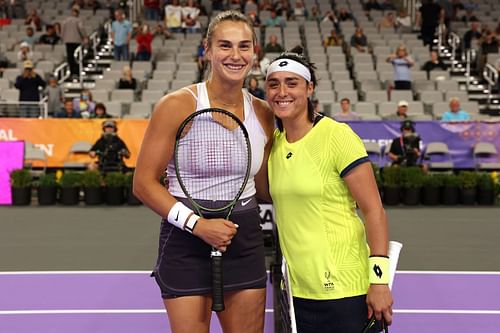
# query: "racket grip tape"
[217,286]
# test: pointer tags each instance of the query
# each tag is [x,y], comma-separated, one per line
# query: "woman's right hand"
[216,232]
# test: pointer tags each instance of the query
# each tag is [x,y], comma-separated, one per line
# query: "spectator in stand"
[17,9]
[433,63]
[473,34]
[254,89]
[73,35]
[314,15]
[30,37]
[428,18]
[344,15]
[387,22]
[456,112]
[100,112]
[469,16]
[282,9]
[173,16]
[372,5]
[334,39]
[255,19]
[489,44]
[67,111]
[144,38]
[84,105]
[24,52]
[401,112]
[403,22]
[5,10]
[299,11]
[201,59]
[28,84]
[55,96]
[4,63]
[265,5]
[34,20]
[388,5]
[190,13]
[94,5]
[121,33]
[275,20]
[152,10]
[359,41]
[345,113]
[332,18]
[250,6]
[127,81]
[401,62]
[273,46]
[50,36]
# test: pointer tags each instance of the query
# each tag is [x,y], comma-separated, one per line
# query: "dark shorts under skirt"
[183,265]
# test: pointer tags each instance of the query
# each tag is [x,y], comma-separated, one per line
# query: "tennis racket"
[212,158]
[394,251]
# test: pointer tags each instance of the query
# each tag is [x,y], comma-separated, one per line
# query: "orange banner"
[55,136]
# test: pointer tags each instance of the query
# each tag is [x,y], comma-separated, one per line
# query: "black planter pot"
[449,195]
[131,198]
[391,195]
[411,196]
[47,195]
[431,195]
[115,196]
[468,196]
[93,195]
[21,196]
[69,195]
[485,196]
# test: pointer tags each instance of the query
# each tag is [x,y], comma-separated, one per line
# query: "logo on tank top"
[289,155]
[328,285]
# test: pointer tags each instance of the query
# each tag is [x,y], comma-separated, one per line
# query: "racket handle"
[217,289]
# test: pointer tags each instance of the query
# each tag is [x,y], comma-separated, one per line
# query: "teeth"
[283,103]
[235,67]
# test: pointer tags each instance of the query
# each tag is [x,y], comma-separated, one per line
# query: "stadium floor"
[118,247]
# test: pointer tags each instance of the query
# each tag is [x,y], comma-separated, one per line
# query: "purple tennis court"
[128,301]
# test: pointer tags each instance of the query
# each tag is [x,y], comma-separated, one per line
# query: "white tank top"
[256,133]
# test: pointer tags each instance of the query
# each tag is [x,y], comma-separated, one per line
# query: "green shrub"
[391,176]
[92,178]
[20,178]
[467,179]
[71,179]
[485,181]
[450,180]
[114,179]
[129,179]
[411,177]
[434,180]
[47,180]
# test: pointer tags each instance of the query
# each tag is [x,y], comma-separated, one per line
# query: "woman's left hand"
[379,301]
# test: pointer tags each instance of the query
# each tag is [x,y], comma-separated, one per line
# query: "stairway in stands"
[477,89]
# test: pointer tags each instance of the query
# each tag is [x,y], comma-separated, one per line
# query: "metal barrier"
[24,109]
[81,52]
[490,74]
[454,41]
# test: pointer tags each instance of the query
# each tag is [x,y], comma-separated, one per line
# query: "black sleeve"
[98,146]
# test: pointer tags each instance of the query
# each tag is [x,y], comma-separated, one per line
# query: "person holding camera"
[405,149]
[110,149]
[28,84]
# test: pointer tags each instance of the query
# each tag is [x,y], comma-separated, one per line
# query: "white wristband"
[178,215]
[191,223]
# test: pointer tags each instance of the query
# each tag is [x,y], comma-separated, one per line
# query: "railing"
[134,9]
[469,56]
[24,109]
[454,42]
[81,52]
[490,74]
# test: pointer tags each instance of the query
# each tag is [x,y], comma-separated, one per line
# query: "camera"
[410,142]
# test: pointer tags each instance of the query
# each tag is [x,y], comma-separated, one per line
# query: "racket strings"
[213,157]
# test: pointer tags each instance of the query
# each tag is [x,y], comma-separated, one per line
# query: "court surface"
[87,270]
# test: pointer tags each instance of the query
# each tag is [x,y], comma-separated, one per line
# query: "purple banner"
[11,158]
[460,137]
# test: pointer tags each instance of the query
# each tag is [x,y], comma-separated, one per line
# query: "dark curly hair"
[297,54]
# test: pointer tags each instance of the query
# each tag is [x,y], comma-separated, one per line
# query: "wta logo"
[328,285]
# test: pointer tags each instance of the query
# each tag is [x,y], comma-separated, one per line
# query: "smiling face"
[287,94]
[230,50]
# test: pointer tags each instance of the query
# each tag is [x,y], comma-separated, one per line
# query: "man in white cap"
[25,52]
[401,113]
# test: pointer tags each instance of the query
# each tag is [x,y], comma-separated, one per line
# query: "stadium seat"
[437,156]
[77,157]
[486,156]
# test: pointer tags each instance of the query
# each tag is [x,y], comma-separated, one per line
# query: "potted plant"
[131,198]
[115,181]
[391,185]
[485,189]
[20,183]
[468,183]
[70,188]
[449,191]
[47,189]
[92,187]
[431,190]
[412,180]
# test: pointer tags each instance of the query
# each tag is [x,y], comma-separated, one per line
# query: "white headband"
[289,65]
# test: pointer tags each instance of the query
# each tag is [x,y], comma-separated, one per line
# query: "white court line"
[89,311]
[451,272]
[434,311]
[75,272]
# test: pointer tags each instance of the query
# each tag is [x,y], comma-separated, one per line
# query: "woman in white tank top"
[183,257]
